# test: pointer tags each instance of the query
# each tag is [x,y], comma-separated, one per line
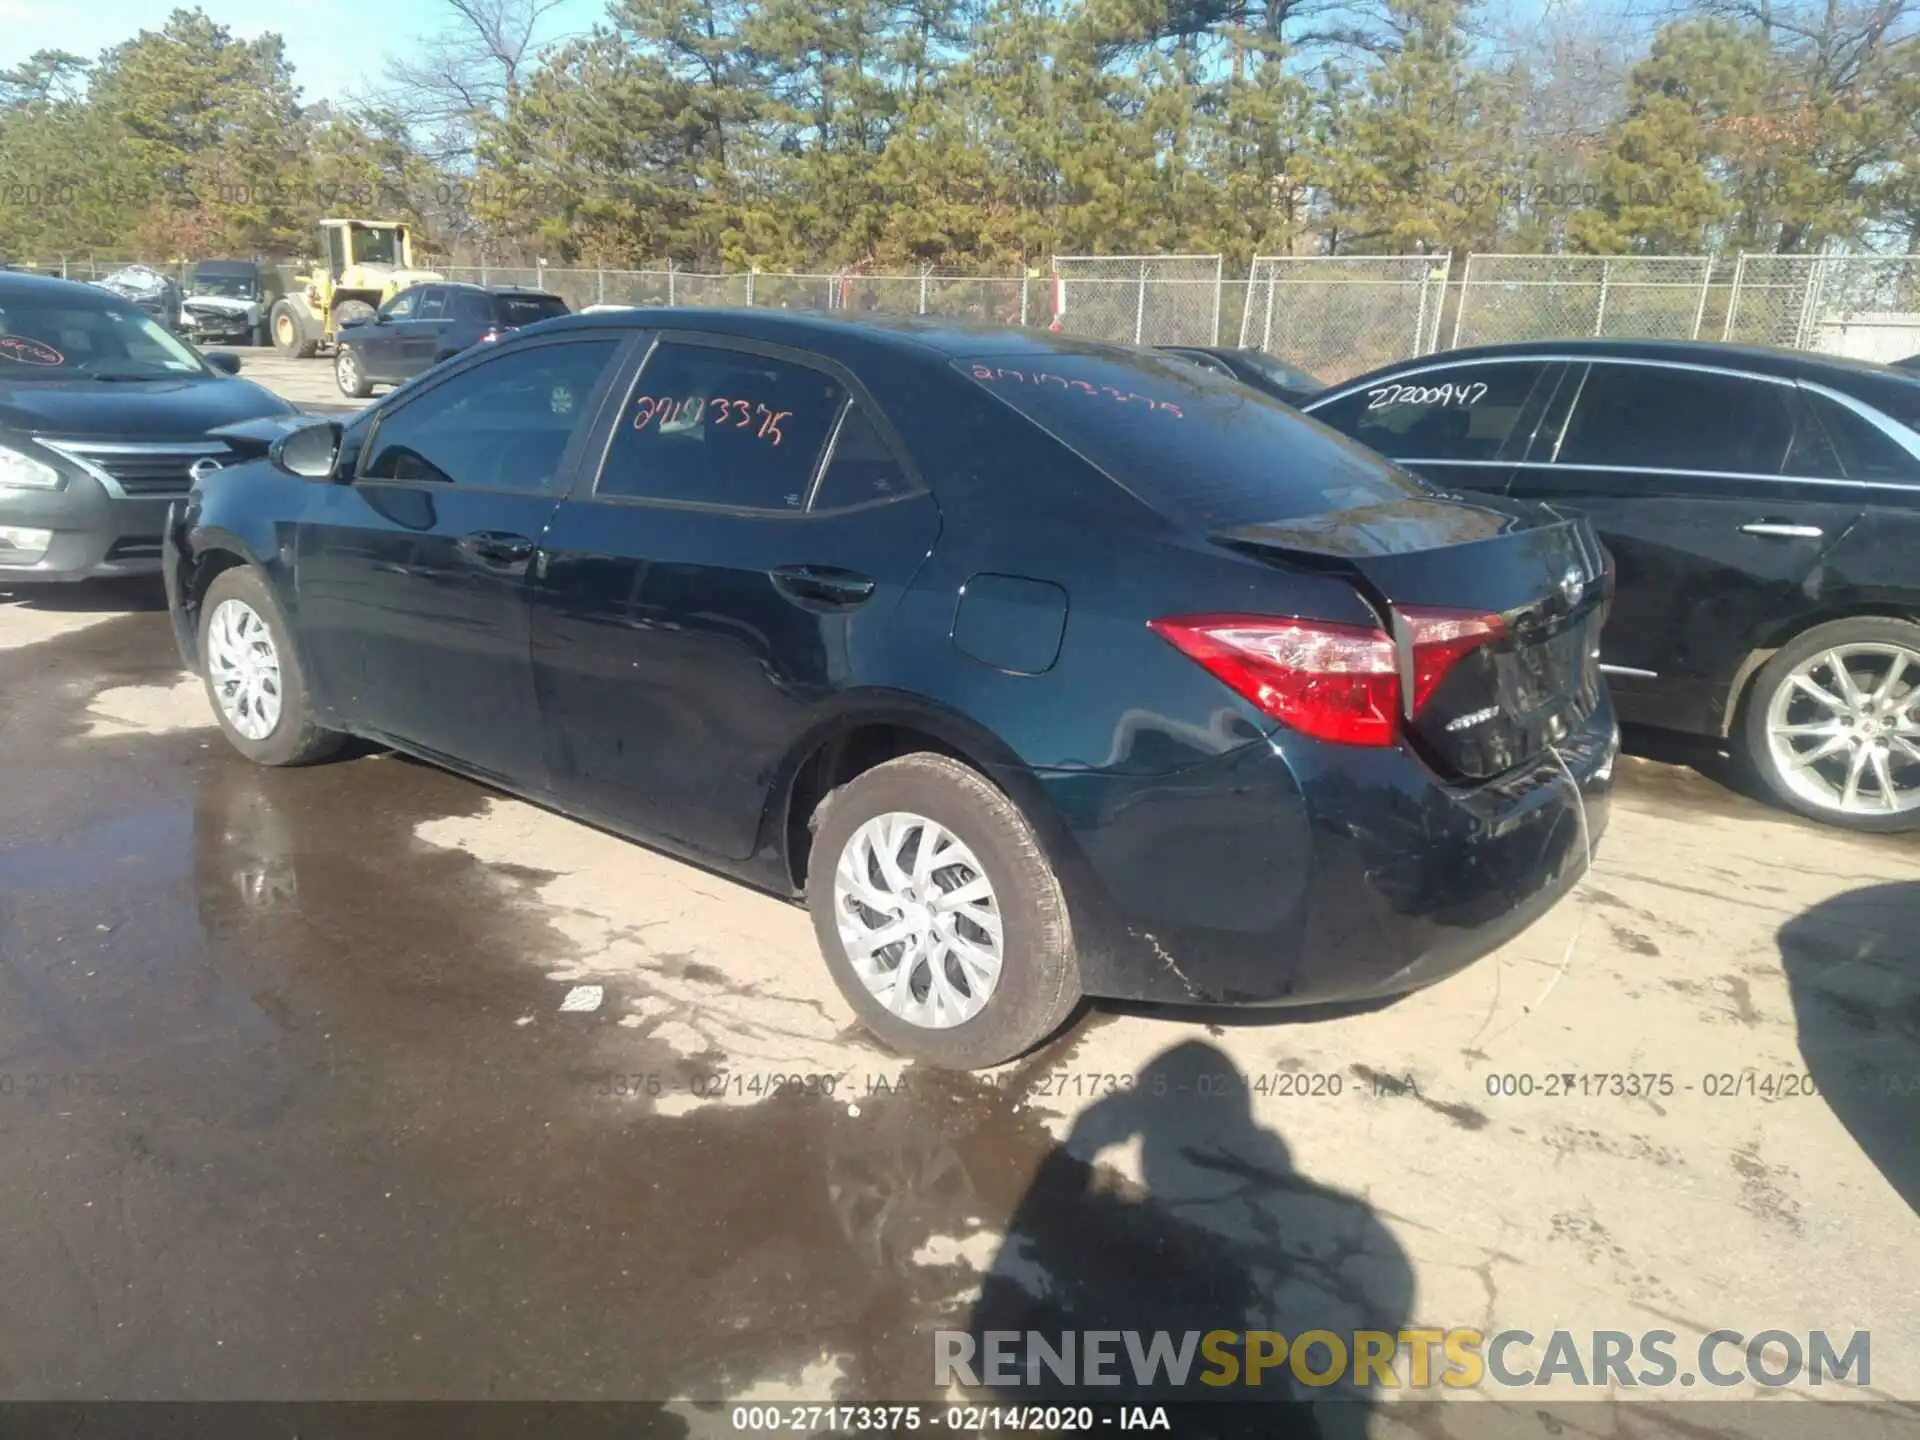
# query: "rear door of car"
[702,597]
[1460,424]
[1717,497]
[412,579]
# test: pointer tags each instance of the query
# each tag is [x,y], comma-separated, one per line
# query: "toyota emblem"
[1571,584]
[204,467]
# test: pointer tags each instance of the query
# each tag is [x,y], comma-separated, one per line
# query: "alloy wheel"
[244,666]
[919,920]
[346,372]
[1843,729]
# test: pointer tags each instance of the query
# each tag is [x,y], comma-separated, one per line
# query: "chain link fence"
[1505,298]
[1864,306]
[1139,299]
[1338,316]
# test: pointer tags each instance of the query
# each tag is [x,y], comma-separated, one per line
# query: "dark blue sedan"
[1040,669]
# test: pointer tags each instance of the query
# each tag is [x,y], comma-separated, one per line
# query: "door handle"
[496,547]
[822,584]
[1780,530]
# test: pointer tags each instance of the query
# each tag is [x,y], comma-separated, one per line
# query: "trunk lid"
[1509,696]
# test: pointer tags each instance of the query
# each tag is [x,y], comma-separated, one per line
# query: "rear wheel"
[1833,725]
[292,335]
[939,915]
[253,676]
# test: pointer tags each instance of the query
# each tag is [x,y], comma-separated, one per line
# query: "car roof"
[235,267]
[1761,359]
[51,288]
[527,291]
[838,331]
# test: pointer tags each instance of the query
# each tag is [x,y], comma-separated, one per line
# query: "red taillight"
[1440,640]
[492,335]
[1334,682]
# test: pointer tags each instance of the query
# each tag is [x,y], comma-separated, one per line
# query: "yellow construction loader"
[363,263]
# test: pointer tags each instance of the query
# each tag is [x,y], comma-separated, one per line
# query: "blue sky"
[325,38]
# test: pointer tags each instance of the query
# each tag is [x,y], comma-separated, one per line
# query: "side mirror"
[225,361]
[310,452]
[381,317]
[352,320]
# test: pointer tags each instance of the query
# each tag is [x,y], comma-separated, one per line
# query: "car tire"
[1036,985]
[243,637]
[1878,729]
[292,335]
[348,375]
[262,335]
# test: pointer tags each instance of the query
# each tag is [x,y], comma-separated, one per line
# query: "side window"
[433,304]
[714,426]
[1864,453]
[473,309]
[503,425]
[401,306]
[860,468]
[1658,417]
[1460,412]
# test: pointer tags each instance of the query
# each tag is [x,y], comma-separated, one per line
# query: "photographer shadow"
[1853,971]
[1222,1233]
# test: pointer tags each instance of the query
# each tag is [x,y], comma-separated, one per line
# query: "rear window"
[526,309]
[1191,443]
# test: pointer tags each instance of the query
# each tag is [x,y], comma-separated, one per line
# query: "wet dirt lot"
[295,1102]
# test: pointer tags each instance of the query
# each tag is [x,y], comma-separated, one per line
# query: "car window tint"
[471,307]
[1208,449]
[1462,412]
[433,305]
[401,306]
[721,427]
[528,309]
[503,425]
[1811,453]
[1865,452]
[861,467]
[1658,417]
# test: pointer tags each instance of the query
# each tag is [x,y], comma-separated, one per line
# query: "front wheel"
[347,373]
[940,916]
[1833,725]
[253,676]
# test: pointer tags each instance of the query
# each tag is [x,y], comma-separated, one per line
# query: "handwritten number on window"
[1044,378]
[1446,394]
[720,409]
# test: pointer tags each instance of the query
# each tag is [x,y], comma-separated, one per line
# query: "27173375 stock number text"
[801,1419]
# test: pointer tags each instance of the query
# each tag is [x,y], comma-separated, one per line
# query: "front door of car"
[412,578]
[420,337]
[697,608]
[1460,425]
[1717,495]
[379,343]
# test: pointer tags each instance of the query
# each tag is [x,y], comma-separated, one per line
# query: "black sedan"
[1764,507]
[1252,367]
[103,419]
[420,327]
[1039,668]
